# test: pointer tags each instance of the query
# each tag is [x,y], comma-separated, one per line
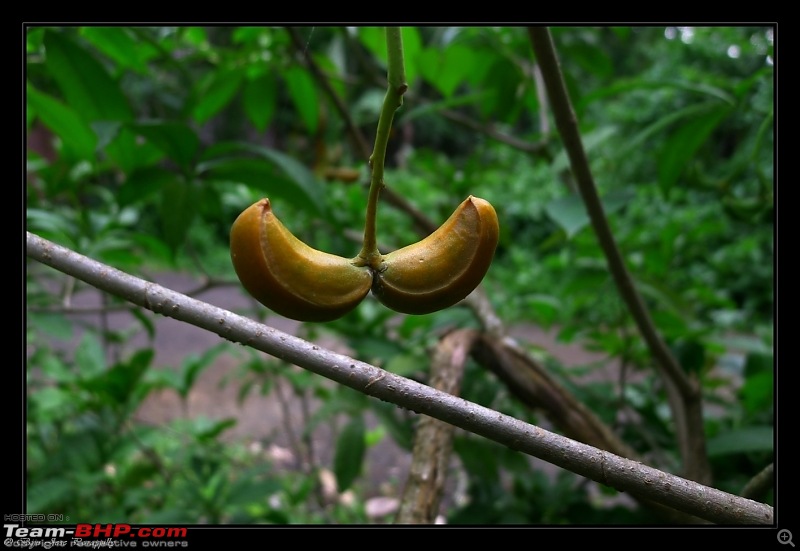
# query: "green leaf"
[374,40]
[591,142]
[260,97]
[479,458]
[193,366]
[267,178]
[55,325]
[55,224]
[295,170]
[177,210]
[759,361]
[744,440]
[51,403]
[349,456]
[118,44]
[86,85]
[404,365]
[570,213]
[501,83]
[412,47]
[89,356]
[304,96]
[445,70]
[176,140]
[545,308]
[217,93]
[144,183]
[758,392]
[78,138]
[205,430]
[45,495]
[146,322]
[691,354]
[400,429]
[682,145]
[122,380]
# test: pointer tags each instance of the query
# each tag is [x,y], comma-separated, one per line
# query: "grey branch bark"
[604,467]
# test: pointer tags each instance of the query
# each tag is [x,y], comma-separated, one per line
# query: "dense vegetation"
[145,143]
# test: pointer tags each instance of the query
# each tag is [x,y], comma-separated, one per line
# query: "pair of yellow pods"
[305,284]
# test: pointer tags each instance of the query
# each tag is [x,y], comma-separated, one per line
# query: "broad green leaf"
[205,429]
[639,139]
[404,365]
[86,85]
[623,86]
[545,308]
[52,223]
[177,210]
[400,429]
[446,70]
[296,171]
[51,402]
[79,141]
[118,44]
[591,142]
[263,176]
[55,325]
[758,392]
[122,380]
[691,354]
[49,494]
[501,83]
[177,140]
[682,145]
[260,97]
[479,458]
[193,366]
[374,39]
[143,183]
[146,321]
[303,93]
[744,440]
[349,456]
[412,47]
[106,132]
[449,103]
[217,93]
[570,213]
[89,356]
[759,362]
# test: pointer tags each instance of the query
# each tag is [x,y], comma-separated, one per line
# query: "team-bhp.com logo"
[94,535]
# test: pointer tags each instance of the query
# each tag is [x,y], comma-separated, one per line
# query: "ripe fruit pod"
[443,268]
[289,277]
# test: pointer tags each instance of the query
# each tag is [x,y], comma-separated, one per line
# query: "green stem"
[369,255]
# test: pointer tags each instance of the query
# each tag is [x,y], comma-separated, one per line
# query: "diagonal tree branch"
[684,393]
[604,467]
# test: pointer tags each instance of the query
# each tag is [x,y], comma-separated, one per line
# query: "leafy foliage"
[144,143]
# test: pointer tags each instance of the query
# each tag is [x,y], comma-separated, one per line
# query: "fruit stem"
[369,255]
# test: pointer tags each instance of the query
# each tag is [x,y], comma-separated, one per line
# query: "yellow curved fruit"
[289,277]
[443,268]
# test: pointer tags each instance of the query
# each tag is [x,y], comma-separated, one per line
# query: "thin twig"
[423,224]
[760,484]
[539,147]
[604,467]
